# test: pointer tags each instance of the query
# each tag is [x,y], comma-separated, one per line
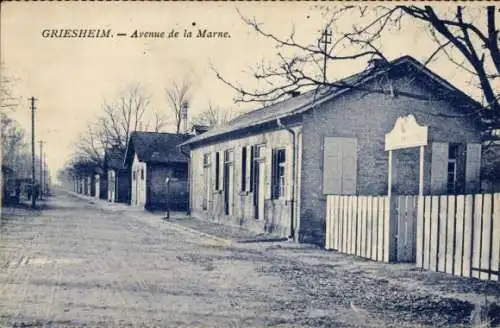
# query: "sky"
[72,77]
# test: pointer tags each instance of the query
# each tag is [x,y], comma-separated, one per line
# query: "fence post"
[391,228]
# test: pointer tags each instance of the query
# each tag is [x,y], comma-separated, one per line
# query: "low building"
[11,190]
[118,176]
[271,169]
[151,158]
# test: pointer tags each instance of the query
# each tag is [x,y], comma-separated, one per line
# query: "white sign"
[407,133]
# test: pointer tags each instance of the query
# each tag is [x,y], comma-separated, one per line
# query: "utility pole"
[33,201]
[326,39]
[45,174]
[41,169]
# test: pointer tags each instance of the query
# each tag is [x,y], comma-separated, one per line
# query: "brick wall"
[368,117]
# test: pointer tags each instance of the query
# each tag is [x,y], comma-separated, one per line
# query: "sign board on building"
[407,133]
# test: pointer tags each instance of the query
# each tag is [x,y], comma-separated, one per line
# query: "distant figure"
[37,192]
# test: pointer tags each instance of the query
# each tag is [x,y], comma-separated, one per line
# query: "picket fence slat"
[427,233]
[495,245]
[434,233]
[329,223]
[450,234]
[459,235]
[469,207]
[337,220]
[476,235]
[353,225]
[485,238]
[420,233]
[441,244]
[369,231]
[380,232]
[362,240]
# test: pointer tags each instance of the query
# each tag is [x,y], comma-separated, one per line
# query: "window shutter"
[221,170]
[349,166]
[439,168]
[266,172]
[216,171]
[473,168]
[249,169]
[252,168]
[332,166]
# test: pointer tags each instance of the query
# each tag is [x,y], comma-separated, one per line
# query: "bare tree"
[178,96]
[123,117]
[303,65]
[8,101]
[213,116]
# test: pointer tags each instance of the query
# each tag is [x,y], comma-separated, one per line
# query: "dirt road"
[77,264]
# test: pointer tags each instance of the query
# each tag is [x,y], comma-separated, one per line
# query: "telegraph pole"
[33,201]
[41,169]
[326,39]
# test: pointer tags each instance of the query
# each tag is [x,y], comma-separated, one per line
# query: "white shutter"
[349,166]
[267,170]
[249,167]
[214,168]
[332,166]
[439,168]
[221,170]
[473,168]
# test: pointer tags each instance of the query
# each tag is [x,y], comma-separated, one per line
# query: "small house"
[271,169]
[158,170]
[118,176]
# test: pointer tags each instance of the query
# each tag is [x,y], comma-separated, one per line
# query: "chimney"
[294,93]
[376,63]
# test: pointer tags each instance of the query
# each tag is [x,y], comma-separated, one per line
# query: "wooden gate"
[372,227]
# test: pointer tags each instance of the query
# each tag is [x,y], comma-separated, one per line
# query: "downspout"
[292,201]
[188,212]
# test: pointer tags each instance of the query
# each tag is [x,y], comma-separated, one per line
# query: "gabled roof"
[302,103]
[155,147]
[114,158]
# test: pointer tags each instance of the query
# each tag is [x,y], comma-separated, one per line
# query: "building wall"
[277,212]
[176,198]
[368,117]
[123,188]
[138,185]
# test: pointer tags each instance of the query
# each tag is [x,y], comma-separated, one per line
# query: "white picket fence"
[359,225]
[457,234]
[460,235]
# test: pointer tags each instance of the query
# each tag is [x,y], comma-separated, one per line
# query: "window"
[278,173]
[133,175]
[206,160]
[228,156]
[142,174]
[256,154]
[452,169]
[217,171]
[244,169]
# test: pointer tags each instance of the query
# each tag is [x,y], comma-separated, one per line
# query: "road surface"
[80,264]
